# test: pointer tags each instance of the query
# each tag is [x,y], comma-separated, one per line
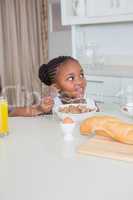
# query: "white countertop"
[37,164]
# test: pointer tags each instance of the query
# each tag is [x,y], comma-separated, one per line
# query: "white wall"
[59,41]
[60,44]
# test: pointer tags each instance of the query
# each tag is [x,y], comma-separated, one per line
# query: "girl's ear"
[55,87]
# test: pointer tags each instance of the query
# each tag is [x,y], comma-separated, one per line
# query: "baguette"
[108,126]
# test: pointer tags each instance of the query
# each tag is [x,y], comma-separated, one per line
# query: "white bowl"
[75,117]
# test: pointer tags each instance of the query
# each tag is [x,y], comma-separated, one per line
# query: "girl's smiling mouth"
[79,91]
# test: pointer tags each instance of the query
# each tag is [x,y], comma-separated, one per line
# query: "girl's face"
[70,79]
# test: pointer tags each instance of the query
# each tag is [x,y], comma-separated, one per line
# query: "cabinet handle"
[94,81]
[99,102]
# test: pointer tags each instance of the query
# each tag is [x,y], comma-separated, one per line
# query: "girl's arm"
[43,108]
[25,111]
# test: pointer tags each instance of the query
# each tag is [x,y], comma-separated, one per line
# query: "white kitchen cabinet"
[107,88]
[126,82]
[126,92]
[123,7]
[103,87]
[108,7]
[100,8]
[95,11]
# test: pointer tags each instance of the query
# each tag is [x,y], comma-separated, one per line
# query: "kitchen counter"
[37,164]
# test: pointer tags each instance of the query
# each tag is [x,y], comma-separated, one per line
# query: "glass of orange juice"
[3,116]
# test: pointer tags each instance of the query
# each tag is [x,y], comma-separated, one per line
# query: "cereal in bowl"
[75,109]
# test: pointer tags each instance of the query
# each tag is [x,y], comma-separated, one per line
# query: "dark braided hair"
[47,72]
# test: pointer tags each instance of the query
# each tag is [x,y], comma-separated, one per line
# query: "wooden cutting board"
[104,147]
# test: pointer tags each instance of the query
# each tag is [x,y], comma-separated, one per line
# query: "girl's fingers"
[47,100]
[47,103]
[46,108]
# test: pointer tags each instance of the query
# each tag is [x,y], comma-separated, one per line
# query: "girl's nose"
[79,81]
[80,84]
[77,87]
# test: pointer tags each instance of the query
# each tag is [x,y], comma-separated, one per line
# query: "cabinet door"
[95,89]
[108,7]
[126,82]
[112,86]
[99,8]
[129,6]
[103,88]
[96,11]
[126,93]
[123,7]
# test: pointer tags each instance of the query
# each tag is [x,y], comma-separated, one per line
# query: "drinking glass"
[3,116]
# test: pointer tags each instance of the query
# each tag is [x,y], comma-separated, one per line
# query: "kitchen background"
[104,49]
[98,34]
[113,39]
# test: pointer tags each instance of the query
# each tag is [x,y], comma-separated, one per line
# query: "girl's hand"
[47,104]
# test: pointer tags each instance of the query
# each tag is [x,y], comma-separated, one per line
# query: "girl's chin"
[79,96]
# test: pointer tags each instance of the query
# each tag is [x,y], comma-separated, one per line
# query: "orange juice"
[3,117]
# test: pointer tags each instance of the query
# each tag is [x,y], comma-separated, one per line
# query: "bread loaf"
[108,126]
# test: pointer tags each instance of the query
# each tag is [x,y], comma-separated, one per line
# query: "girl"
[66,75]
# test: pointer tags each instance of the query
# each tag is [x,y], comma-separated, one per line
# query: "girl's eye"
[71,78]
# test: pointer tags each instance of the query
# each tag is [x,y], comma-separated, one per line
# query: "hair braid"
[47,72]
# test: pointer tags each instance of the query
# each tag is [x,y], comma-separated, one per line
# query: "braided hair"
[47,72]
